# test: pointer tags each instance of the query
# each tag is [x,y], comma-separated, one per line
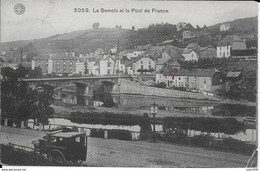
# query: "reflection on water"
[168,104]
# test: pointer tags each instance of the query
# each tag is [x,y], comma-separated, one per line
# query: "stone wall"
[132,87]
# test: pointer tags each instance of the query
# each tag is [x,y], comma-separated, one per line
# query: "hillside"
[85,41]
[245,25]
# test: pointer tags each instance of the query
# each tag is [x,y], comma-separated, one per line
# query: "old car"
[63,146]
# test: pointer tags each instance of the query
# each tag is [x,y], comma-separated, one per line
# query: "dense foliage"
[204,124]
[109,118]
[112,134]
[21,102]
[207,141]
[12,156]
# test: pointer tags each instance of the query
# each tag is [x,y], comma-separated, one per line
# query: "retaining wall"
[133,87]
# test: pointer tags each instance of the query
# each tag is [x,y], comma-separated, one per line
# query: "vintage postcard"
[165,84]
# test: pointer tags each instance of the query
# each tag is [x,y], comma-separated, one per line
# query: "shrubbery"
[204,124]
[12,156]
[109,118]
[112,134]
[207,141]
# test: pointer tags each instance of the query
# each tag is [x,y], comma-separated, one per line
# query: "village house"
[43,64]
[167,73]
[59,63]
[247,54]
[107,65]
[133,54]
[191,52]
[208,52]
[207,80]
[167,57]
[81,67]
[230,42]
[225,27]
[143,65]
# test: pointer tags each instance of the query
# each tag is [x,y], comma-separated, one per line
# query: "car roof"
[66,134]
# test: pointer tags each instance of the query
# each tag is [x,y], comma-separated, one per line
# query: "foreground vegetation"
[19,157]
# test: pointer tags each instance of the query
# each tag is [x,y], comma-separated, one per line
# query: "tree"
[133,28]
[37,72]
[120,27]
[21,102]
[30,56]
[95,25]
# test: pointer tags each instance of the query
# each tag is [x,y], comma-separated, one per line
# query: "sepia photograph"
[144,84]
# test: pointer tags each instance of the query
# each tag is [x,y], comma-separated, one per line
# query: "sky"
[46,18]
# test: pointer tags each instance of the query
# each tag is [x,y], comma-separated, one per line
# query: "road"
[112,153]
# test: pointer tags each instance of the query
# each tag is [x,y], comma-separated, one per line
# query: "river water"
[165,104]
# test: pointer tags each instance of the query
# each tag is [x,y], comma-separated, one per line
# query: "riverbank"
[117,153]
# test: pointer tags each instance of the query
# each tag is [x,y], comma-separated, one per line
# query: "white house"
[134,54]
[143,65]
[81,67]
[107,66]
[225,27]
[190,55]
[230,42]
[92,68]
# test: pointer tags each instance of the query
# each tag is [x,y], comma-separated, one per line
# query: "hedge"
[112,134]
[109,118]
[206,140]
[204,124]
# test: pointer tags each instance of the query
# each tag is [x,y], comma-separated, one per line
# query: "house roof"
[229,39]
[62,55]
[226,24]
[205,48]
[197,72]
[174,54]
[167,41]
[187,51]
[233,74]
[247,52]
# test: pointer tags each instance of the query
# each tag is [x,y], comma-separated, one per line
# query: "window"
[150,66]
[179,78]
[142,67]
[142,62]
[108,71]
[204,80]
[109,64]
[195,79]
[220,53]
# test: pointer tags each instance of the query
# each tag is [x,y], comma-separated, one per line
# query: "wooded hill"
[86,41]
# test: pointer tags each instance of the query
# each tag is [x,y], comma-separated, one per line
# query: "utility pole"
[117,51]
[21,55]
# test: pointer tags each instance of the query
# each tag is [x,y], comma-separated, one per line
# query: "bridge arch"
[108,86]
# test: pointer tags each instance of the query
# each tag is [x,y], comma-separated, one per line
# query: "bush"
[12,156]
[204,124]
[230,144]
[112,134]
[109,118]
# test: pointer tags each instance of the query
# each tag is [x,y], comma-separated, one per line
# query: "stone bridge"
[85,85]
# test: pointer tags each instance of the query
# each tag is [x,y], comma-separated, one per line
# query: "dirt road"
[110,152]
